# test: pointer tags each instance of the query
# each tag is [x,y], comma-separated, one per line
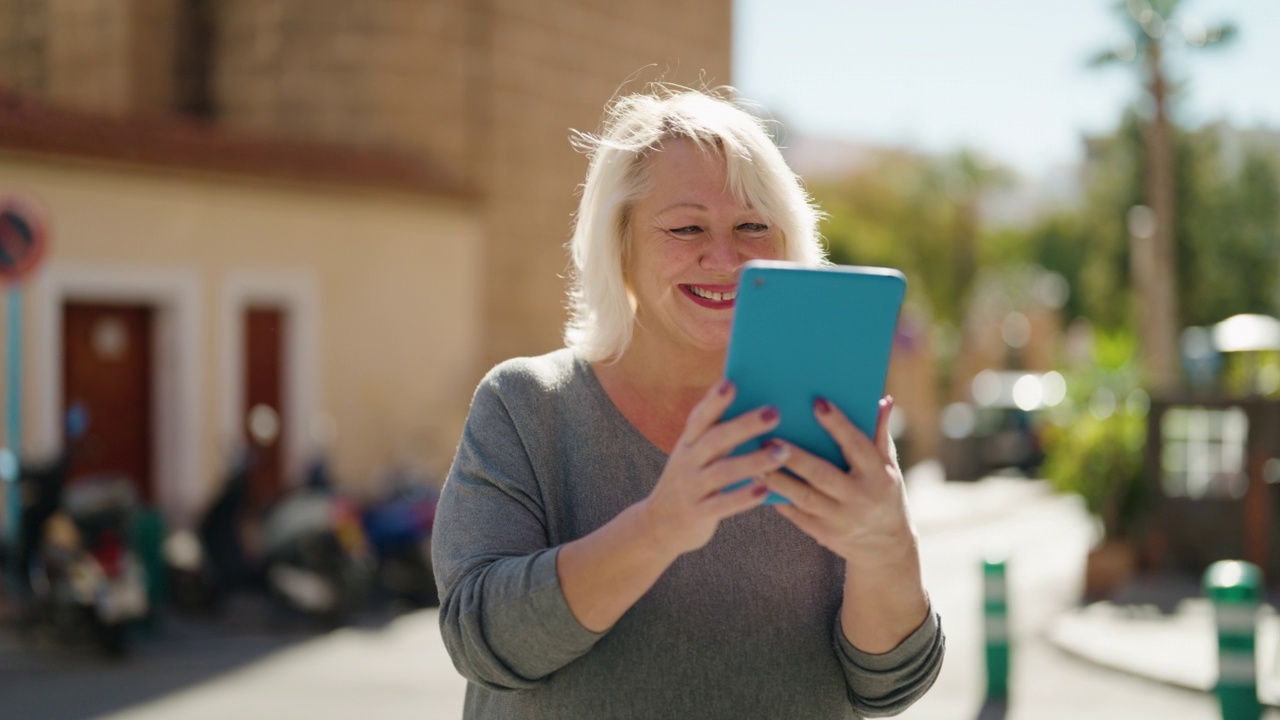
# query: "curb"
[1178,649]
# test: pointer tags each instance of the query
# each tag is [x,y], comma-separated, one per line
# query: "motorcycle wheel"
[113,638]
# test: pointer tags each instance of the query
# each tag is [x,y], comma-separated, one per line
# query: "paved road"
[264,665]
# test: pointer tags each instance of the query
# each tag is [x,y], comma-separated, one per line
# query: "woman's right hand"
[687,505]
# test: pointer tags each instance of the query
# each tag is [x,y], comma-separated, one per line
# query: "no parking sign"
[24,236]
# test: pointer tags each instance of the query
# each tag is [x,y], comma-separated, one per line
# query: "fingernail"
[759,490]
[888,401]
[822,406]
[769,414]
[724,387]
[778,450]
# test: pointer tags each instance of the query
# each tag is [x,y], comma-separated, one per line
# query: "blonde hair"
[602,311]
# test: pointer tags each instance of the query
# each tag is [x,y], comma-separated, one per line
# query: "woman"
[589,564]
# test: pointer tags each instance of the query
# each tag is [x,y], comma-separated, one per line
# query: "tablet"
[800,333]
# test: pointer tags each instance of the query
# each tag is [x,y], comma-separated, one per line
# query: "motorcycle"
[398,526]
[206,564]
[84,579]
[316,557]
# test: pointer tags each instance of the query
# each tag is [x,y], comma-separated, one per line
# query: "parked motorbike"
[209,562]
[316,558]
[85,580]
[398,526]
[82,576]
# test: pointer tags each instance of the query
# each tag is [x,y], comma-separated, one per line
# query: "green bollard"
[1235,589]
[995,615]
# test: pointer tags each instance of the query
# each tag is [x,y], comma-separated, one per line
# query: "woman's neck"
[655,390]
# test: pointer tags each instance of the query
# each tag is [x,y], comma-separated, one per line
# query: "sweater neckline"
[602,398]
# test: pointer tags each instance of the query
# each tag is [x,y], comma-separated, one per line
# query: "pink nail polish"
[724,387]
[822,406]
[770,414]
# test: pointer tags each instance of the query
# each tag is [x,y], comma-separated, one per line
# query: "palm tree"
[1150,25]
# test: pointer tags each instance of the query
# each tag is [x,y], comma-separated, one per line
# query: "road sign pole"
[24,239]
[13,431]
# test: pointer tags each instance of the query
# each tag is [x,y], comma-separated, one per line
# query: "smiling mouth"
[712,295]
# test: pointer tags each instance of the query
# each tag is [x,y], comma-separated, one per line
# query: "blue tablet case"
[800,333]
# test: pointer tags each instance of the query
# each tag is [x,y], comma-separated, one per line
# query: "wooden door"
[107,369]
[264,420]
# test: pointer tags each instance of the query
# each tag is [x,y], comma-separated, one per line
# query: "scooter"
[82,576]
[316,558]
[206,564]
[85,580]
[398,526]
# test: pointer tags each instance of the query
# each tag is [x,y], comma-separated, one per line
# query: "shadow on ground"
[993,709]
[1167,589]
[42,678]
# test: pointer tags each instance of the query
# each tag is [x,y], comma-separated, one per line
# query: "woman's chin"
[716,342]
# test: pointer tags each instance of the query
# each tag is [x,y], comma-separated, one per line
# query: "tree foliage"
[1227,231]
[916,213]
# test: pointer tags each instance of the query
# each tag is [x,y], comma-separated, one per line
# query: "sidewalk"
[1178,648]
[397,671]
[1158,628]
[938,505]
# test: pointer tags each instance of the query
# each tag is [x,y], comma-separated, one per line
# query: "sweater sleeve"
[503,614]
[888,684]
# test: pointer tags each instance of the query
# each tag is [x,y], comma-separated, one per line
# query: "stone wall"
[554,65]
[489,90]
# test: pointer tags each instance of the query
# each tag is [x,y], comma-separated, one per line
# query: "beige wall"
[389,282]
[552,67]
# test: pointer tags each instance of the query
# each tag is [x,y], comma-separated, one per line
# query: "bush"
[1101,460]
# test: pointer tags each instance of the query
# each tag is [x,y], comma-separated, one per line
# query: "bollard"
[1234,588]
[995,615]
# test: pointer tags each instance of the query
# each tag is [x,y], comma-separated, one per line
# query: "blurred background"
[258,253]
[1082,195]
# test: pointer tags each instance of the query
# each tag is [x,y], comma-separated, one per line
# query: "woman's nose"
[721,253]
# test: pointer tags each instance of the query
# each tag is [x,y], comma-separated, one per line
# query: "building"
[344,212]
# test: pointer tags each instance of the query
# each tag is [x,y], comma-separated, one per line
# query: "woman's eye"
[753,228]
[686,230]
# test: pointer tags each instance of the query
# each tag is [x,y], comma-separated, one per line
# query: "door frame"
[174,296]
[296,292]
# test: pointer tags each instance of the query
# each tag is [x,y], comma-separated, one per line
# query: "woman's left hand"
[861,515]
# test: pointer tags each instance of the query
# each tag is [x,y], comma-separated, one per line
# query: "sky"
[1007,78]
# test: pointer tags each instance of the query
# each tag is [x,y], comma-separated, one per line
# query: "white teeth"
[713,296]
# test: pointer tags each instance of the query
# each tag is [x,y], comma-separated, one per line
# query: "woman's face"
[689,237]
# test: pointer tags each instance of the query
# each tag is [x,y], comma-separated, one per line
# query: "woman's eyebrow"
[682,205]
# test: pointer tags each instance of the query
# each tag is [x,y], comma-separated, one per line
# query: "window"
[1203,452]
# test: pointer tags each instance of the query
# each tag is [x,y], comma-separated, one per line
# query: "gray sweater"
[746,627]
